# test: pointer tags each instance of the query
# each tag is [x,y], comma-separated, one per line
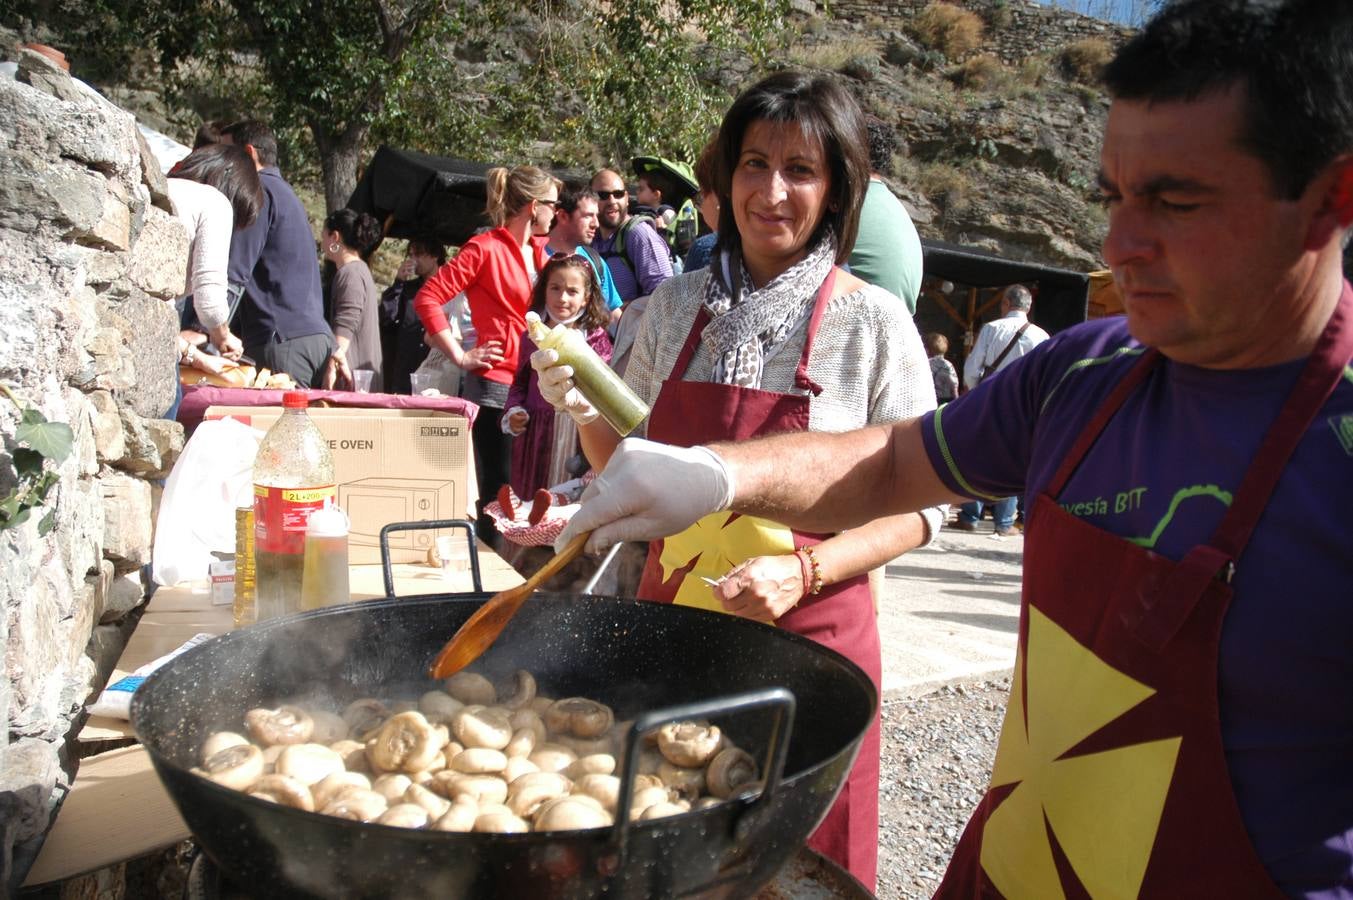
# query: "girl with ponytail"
[496,271]
[348,240]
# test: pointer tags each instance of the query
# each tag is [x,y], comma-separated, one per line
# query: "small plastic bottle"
[598,382]
[325,578]
[293,477]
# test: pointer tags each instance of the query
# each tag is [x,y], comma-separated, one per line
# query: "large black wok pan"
[636,656]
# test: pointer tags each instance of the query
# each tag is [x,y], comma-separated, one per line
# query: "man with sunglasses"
[636,255]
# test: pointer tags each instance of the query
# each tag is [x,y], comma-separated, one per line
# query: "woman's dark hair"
[825,112]
[208,133]
[705,166]
[231,171]
[358,231]
[596,315]
[1294,61]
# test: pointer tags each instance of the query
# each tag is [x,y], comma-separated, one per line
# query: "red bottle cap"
[295,400]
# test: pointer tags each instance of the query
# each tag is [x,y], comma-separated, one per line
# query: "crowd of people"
[761,304]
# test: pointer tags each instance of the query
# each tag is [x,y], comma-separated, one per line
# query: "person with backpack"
[575,225]
[636,254]
[665,192]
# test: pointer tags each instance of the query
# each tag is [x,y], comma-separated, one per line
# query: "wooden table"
[117,809]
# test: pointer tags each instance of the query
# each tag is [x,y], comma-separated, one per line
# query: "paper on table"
[115,701]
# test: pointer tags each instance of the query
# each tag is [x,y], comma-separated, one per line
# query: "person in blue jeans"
[1002,512]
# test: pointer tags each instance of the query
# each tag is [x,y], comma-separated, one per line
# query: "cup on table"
[422,381]
[361,380]
[453,554]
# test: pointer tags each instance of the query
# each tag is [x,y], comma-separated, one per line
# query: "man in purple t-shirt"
[641,262]
[1201,448]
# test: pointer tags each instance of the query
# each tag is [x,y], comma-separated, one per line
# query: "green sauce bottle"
[598,382]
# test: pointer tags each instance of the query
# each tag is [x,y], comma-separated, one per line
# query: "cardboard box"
[391,465]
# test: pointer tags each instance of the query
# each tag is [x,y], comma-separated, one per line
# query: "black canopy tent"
[414,194]
[962,285]
[417,194]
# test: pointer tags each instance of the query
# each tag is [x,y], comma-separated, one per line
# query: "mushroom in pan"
[439,706]
[571,812]
[364,716]
[405,743]
[689,744]
[730,769]
[523,741]
[518,766]
[483,788]
[357,804]
[578,716]
[284,725]
[235,767]
[500,823]
[392,786]
[459,817]
[404,815]
[479,761]
[662,810]
[353,754]
[285,790]
[552,757]
[472,689]
[646,797]
[596,763]
[309,763]
[525,799]
[605,789]
[684,782]
[334,784]
[436,806]
[523,691]
[220,741]
[482,726]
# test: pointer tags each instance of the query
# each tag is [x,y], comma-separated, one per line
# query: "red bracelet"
[812,571]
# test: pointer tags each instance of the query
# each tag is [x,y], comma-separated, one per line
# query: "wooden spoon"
[482,629]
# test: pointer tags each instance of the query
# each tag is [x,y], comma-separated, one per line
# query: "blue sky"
[1117,10]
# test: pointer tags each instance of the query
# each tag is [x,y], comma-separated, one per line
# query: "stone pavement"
[950,610]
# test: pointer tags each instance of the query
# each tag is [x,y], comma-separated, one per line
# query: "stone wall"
[1026,28]
[90,258]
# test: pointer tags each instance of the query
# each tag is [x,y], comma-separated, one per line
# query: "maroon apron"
[841,617]
[1110,778]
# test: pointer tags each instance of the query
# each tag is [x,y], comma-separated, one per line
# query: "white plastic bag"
[213,476]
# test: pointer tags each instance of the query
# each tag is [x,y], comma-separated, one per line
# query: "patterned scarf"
[749,326]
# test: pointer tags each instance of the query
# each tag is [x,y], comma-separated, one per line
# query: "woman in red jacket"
[496,270]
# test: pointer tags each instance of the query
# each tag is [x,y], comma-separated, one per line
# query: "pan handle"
[774,765]
[428,525]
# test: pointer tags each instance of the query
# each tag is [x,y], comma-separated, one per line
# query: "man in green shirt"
[887,251]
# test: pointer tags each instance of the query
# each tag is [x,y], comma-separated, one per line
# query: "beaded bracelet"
[812,571]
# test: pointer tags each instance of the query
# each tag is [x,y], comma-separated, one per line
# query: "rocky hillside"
[1002,131]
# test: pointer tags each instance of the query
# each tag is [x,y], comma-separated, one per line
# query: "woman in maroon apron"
[775,338]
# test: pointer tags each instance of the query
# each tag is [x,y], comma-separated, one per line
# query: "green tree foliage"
[594,80]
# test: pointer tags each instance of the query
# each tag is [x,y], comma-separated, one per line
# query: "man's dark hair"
[428,246]
[358,231]
[824,111]
[208,133]
[230,170]
[569,200]
[1294,59]
[256,135]
[882,144]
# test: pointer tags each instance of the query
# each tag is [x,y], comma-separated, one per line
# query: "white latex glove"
[650,491]
[556,386]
